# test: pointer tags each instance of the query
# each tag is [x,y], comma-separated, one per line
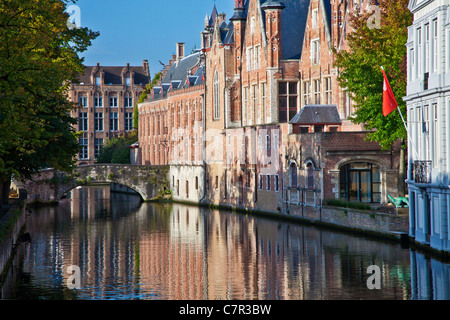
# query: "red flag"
[389,102]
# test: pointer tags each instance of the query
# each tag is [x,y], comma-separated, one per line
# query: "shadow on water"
[126,249]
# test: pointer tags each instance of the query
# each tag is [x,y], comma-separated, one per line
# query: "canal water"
[129,250]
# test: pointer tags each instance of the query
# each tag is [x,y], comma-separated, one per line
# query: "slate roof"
[185,73]
[293,24]
[113,74]
[317,114]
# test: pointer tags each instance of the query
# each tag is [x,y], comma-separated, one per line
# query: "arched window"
[216,100]
[310,176]
[293,174]
[361,182]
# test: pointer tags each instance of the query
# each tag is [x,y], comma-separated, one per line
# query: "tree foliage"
[360,68]
[38,61]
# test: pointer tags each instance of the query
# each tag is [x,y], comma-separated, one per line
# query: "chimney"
[180,51]
[146,67]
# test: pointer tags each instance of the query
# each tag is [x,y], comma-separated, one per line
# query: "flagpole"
[406,128]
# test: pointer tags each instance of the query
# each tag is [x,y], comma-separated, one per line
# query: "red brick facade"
[106,95]
[259,71]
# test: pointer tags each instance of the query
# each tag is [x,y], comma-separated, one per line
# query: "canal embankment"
[12,225]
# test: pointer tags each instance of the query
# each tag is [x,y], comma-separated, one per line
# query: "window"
[419,50]
[436,137]
[128,81]
[217,182]
[128,121]
[276,183]
[293,174]
[267,142]
[98,121]
[327,89]
[315,51]
[256,57]
[98,144]
[113,101]
[426,130]
[128,100]
[263,102]
[114,121]
[316,93]
[84,153]
[310,176]
[360,182]
[427,48]
[187,189]
[418,122]
[98,100]
[275,142]
[196,183]
[245,101]
[260,184]
[435,45]
[249,58]
[287,100]
[82,101]
[254,103]
[268,182]
[83,121]
[97,81]
[306,92]
[216,96]
[248,179]
[315,16]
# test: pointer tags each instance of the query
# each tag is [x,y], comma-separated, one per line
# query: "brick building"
[171,124]
[260,116]
[106,97]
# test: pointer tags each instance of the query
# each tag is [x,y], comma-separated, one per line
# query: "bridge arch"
[100,183]
[147,181]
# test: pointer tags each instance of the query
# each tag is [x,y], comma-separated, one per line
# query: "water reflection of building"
[185,252]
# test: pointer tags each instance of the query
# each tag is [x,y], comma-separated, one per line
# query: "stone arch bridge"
[149,182]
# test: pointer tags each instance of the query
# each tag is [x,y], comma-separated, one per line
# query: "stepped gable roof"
[317,114]
[113,74]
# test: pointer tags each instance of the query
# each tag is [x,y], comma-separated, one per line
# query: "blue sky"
[134,30]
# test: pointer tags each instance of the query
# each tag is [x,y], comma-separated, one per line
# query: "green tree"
[38,61]
[116,150]
[360,68]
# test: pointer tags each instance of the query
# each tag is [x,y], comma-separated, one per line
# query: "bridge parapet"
[148,181]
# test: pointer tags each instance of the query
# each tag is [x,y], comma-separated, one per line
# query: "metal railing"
[422,171]
[303,196]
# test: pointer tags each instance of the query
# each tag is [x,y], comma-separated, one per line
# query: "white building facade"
[428,107]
